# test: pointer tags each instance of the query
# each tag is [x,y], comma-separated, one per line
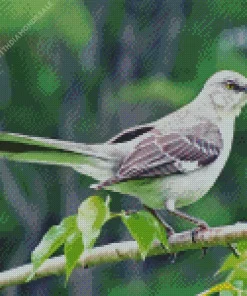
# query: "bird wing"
[176,152]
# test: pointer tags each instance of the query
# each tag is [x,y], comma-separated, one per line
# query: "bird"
[169,163]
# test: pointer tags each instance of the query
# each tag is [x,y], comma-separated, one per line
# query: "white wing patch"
[188,166]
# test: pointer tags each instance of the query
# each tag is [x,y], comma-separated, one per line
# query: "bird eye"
[232,86]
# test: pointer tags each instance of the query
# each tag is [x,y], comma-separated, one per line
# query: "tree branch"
[116,252]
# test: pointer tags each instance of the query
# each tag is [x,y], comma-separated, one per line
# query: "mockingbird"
[169,163]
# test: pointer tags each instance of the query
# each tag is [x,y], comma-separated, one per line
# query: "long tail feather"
[36,149]
[96,160]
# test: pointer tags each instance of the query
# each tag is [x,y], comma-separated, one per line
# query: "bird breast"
[188,188]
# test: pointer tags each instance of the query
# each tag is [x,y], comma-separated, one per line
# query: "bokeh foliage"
[84,71]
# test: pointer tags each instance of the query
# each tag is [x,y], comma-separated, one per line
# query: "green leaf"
[161,234]
[238,275]
[242,246]
[228,293]
[73,249]
[51,241]
[238,284]
[92,214]
[232,262]
[222,287]
[144,228]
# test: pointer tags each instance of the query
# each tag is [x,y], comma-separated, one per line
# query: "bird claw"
[201,227]
[204,226]
[169,231]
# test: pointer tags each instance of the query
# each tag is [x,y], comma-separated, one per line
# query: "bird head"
[227,91]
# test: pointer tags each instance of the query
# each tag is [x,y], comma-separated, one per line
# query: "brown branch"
[116,252]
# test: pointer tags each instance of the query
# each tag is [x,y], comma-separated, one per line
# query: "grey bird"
[171,162]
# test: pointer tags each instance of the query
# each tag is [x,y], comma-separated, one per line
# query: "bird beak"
[243,89]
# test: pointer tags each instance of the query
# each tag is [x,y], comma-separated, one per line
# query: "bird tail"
[95,160]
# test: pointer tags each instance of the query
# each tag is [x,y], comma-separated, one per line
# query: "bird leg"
[169,230]
[201,225]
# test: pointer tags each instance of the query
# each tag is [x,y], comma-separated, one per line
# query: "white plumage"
[171,162]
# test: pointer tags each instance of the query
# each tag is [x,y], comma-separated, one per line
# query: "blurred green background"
[83,71]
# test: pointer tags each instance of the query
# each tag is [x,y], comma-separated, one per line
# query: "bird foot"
[169,231]
[201,227]
[204,226]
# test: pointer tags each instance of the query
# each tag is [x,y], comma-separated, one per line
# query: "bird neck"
[208,109]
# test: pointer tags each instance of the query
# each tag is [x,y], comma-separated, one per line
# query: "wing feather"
[169,154]
[160,154]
